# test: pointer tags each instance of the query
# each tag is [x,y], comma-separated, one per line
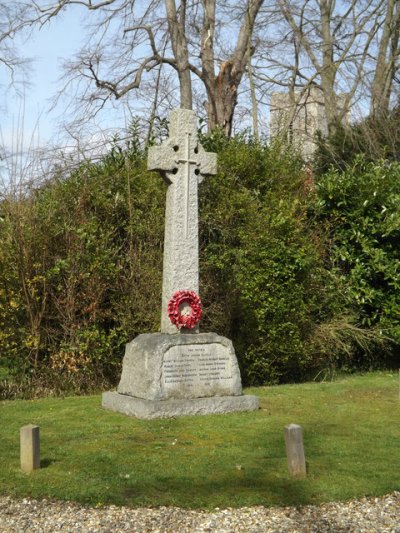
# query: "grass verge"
[351,435]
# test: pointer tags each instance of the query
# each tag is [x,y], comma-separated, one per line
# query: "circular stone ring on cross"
[184,309]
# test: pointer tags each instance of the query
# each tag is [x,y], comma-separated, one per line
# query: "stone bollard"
[30,448]
[295,450]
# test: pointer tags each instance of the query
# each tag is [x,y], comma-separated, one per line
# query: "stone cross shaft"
[183,164]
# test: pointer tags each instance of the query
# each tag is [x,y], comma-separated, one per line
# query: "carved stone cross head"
[182,149]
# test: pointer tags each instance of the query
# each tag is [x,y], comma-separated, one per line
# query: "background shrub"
[361,208]
[263,270]
[302,277]
[87,247]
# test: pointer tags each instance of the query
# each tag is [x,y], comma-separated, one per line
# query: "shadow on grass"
[47,461]
[226,492]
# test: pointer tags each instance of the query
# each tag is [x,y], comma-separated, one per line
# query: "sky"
[32,134]
[31,112]
[28,123]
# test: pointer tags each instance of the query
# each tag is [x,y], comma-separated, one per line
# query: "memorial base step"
[148,409]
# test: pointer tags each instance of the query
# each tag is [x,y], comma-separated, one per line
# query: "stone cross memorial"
[180,371]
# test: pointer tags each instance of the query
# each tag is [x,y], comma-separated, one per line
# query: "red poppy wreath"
[183,319]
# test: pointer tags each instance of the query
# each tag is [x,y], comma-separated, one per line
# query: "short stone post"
[30,448]
[295,450]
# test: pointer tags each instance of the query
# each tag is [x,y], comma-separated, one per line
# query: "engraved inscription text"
[197,366]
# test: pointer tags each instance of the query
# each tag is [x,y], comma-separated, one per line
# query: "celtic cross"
[183,164]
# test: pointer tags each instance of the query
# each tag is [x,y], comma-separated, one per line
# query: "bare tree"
[222,88]
[130,38]
[177,30]
[11,20]
[14,65]
[335,40]
[208,47]
[325,44]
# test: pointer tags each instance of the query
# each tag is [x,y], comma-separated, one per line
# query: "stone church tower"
[300,122]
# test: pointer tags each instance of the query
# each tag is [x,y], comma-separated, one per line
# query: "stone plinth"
[171,375]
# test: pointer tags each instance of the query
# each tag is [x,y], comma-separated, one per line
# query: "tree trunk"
[222,90]
[386,61]
[328,71]
[176,25]
[223,97]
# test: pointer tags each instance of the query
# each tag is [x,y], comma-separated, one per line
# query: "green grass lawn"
[351,436]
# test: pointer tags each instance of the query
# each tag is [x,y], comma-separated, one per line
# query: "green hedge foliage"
[266,287]
[302,277]
[361,208]
[81,262]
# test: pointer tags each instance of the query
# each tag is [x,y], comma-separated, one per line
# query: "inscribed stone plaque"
[198,370]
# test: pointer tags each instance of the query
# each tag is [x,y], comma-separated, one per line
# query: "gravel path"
[362,516]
